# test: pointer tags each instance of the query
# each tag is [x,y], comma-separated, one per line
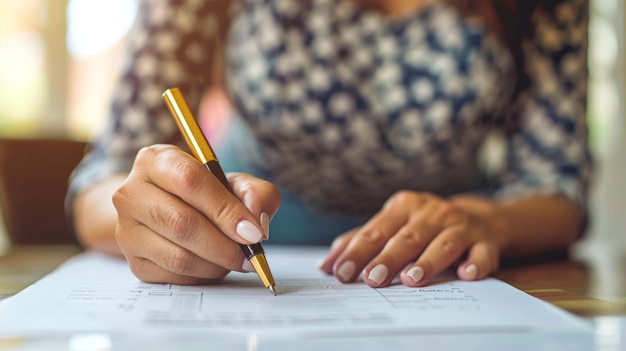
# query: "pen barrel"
[215,168]
[263,270]
[252,250]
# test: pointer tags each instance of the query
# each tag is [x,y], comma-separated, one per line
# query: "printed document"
[95,293]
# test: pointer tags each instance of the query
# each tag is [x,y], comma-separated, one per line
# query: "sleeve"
[169,45]
[548,149]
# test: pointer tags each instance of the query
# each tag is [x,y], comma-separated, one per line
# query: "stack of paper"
[95,300]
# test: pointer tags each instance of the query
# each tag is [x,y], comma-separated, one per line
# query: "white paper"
[96,293]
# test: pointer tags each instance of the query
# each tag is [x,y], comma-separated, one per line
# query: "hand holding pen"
[203,152]
[178,223]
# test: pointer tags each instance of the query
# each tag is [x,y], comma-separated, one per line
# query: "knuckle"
[124,196]
[448,245]
[146,152]
[396,199]
[448,209]
[404,196]
[120,197]
[182,224]
[156,149]
[410,237]
[178,260]
[450,242]
[150,152]
[450,213]
[373,237]
[260,188]
[453,241]
[225,211]
[462,220]
[157,156]
[187,175]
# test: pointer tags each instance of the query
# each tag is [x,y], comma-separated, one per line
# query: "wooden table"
[24,265]
[584,288]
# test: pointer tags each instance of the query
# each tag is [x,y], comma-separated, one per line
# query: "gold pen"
[203,152]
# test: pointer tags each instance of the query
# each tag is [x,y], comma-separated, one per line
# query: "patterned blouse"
[341,106]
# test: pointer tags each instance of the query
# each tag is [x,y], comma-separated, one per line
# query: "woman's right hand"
[178,224]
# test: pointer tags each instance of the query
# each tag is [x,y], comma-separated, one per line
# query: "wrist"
[95,218]
[491,216]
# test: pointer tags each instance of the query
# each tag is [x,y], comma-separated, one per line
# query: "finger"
[442,251]
[339,244]
[366,243]
[149,272]
[261,197]
[180,224]
[409,241]
[482,260]
[401,249]
[172,259]
[178,173]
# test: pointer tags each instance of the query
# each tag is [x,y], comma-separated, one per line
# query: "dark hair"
[518,27]
[514,22]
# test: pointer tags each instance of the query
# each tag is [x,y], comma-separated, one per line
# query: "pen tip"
[272,290]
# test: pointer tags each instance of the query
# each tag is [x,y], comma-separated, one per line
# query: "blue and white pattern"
[342,106]
[350,107]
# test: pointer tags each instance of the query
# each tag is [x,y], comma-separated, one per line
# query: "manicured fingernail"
[249,231]
[416,273]
[378,274]
[247,266]
[346,270]
[265,224]
[471,271]
[320,262]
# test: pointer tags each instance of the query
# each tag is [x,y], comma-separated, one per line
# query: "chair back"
[34,177]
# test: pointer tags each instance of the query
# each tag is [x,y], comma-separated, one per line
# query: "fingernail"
[416,273]
[334,245]
[247,266]
[471,270]
[265,224]
[378,274]
[320,262]
[249,231]
[346,270]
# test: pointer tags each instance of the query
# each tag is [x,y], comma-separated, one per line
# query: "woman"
[367,117]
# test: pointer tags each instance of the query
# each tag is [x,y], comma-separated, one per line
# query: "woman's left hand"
[419,235]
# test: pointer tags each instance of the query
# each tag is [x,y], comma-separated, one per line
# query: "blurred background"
[58,60]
